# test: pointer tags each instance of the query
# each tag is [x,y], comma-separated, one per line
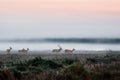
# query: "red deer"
[8,50]
[69,51]
[23,50]
[57,50]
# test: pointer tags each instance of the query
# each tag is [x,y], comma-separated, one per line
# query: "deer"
[8,50]
[69,51]
[57,50]
[26,50]
[23,50]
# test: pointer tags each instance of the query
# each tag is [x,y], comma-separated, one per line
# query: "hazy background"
[59,18]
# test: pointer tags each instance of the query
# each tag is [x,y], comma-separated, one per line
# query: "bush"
[6,75]
[67,61]
[45,64]
[21,68]
[92,60]
[17,74]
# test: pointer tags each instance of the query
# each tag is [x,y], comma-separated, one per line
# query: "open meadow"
[85,65]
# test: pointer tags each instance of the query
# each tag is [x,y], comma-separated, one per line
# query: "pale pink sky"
[60,7]
[59,18]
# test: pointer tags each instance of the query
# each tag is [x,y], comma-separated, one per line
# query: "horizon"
[64,40]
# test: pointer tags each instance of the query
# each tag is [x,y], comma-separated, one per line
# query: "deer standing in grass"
[26,50]
[57,50]
[69,51]
[8,50]
[23,50]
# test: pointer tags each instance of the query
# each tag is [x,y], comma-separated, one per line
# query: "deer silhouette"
[8,50]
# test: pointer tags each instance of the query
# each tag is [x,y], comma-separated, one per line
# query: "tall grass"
[97,68]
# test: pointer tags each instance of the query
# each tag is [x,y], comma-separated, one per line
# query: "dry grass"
[61,67]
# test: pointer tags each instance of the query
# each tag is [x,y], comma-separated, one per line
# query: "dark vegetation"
[97,68]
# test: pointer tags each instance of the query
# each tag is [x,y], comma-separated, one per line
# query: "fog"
[80,27]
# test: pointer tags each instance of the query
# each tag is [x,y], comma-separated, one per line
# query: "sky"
[59,18]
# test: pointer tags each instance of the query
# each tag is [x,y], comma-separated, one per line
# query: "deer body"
[69,51]
[57,50]
[8,50]
[23,50]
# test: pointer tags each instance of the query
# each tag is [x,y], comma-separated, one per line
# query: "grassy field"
[60,66]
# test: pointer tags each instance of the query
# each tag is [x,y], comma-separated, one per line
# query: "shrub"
[21,68]
[17,74]
[67,61]
[45,64]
